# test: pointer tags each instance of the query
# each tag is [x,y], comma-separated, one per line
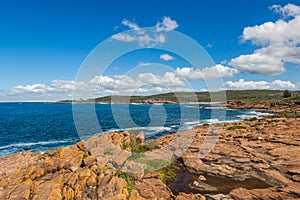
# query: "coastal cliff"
[252,159]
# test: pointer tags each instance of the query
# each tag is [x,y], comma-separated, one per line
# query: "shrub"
[108,152]
[287,94]
[85,155]
[128,179]
[236,127]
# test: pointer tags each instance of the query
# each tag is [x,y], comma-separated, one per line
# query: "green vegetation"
[236,127]
[287,94]
[286,115]
[258,124]
[85,155]
[251,119]
[136,147]
[152,165]
[185,97]
[108,152]
[167,172]
[142,148]
[128,179]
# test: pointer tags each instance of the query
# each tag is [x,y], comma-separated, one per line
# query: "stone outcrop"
[253,159]
[251,154]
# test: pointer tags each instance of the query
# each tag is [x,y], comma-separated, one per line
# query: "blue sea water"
[44,126]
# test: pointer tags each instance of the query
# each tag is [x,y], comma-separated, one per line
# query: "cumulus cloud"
[287,10]
[217,71]
[278,41]
[166,57]
[144,83]
[145,39]
[243,85]
[258,63]
[133,26]
[269,33]
[167,24]
[124,37]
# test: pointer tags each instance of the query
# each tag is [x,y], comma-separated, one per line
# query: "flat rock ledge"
[266,150]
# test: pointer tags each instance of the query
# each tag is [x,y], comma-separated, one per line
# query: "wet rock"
[202,178]
[203,186]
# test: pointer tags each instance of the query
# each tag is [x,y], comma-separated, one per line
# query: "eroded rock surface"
[254,159]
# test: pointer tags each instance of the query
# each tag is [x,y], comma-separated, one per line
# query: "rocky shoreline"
[252,159]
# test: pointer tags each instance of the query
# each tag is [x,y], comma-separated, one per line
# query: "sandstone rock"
[201,178]
[153,188]
[68,193]
[294,171]
[292,189]
[135,195]
[296,178]
[35,172]
[184,196]
[89,161]
[22,191]
[119,159]
[203,186]
[276,178]
[70,158]
[134,169]
[290,192]
[242,160]
[64,174]
[218,197]
[49,187]
[13,163]
[140,138]
[110,187]
[192,161]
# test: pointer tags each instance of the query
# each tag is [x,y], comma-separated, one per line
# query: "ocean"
[44,126]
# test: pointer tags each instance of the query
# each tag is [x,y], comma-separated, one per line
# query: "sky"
[45,47]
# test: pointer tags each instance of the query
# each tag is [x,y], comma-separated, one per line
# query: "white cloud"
[209,45]
[133,26]
[145,83]
[217,71]
[124,37]
[279,43]
[287,10]
[258,63]
[277,84]
[141,63]
[166,57]
[139,35]
[166,25]
[270,33]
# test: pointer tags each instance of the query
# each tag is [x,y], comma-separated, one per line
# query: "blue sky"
[43,43]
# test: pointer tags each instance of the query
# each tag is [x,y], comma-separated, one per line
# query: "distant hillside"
[187,97]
